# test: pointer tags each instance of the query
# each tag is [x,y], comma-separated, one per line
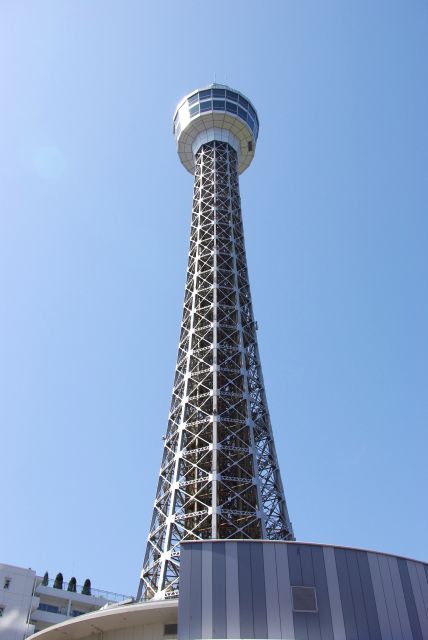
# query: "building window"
[48,607]
[6,584]
[170,630]
[1,611]
[304,599]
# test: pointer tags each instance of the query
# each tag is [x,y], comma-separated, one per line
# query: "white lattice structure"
[219,477]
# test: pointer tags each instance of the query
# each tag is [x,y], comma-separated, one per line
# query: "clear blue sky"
[95,216]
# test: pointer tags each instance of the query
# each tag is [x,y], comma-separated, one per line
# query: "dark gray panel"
[195,621]
[382,611]
[184,601]
[391,604]
[312,619]
[294,565]
[334,594]
[219,590]
[423,581]
[232,590]
[357,594]
[399,597]
[300,626]
[296,579]
[259,593]
[368,595]
[245,590]
[324,610]
[417,592]
[409,597]
[346,595]
[284,591]
[207,588]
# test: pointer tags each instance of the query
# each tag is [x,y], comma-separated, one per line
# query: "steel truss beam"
[219,477]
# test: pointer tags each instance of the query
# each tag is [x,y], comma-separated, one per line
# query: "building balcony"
[49,614]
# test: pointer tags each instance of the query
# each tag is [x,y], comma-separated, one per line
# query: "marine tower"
[220,535]
[219,475]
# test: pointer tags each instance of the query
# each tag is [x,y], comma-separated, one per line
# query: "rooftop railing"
[109,596]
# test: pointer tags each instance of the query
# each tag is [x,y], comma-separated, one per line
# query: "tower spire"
[219,476]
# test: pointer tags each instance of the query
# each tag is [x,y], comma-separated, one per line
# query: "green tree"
[86,589]
[72,585]
[58,581]
[45,580]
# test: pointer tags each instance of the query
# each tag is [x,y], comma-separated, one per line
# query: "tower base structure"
[137,621]
[267,589]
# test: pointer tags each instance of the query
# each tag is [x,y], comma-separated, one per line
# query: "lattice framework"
[219,477]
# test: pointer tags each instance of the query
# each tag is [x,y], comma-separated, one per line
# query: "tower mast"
[219,476]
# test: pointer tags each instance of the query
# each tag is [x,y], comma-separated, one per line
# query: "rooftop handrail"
[110,596]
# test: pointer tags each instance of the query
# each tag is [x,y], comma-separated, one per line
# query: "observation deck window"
[232,108]
[218,105]
[208,100]
[243,102]
[231,95]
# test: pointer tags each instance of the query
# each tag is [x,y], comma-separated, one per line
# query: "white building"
[16,602]
[28,606]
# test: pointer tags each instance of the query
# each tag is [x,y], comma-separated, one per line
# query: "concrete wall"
[240,589]
[138,632]
[137,621]
[15,601]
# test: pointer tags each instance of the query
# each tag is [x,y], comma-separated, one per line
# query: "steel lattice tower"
[219,476]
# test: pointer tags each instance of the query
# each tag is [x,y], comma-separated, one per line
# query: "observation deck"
[216,112]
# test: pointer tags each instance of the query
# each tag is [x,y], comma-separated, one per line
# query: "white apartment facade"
[16,602]
[28,606]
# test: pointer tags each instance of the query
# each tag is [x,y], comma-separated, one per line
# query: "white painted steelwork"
[219,477]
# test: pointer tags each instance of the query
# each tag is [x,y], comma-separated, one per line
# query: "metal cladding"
[258,589]
[219,477]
